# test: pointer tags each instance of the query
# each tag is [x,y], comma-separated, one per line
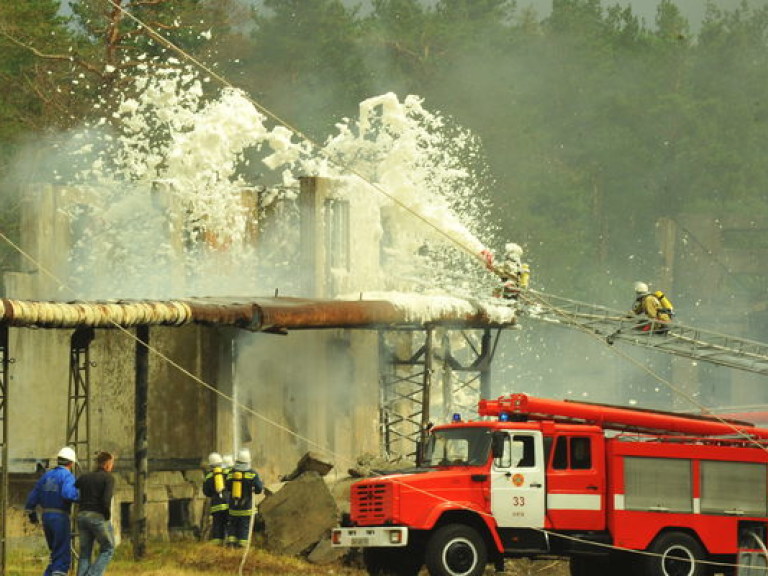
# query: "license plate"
[359,541]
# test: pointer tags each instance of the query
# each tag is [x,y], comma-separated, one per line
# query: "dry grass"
[205,559]
[187,559]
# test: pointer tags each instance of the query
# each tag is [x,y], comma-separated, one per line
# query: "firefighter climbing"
[655,306]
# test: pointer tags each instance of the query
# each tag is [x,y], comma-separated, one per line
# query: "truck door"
[576,482]
[517,480]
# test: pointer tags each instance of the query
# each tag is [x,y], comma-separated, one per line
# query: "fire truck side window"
[560,459]
[579,457]
[581,453]
[547,447]
[505,460]
[529,456]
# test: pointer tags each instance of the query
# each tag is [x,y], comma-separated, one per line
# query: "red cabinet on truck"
[614,489]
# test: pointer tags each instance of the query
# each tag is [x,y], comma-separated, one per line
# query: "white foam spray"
[168,170]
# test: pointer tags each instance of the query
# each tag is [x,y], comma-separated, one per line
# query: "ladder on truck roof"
[620,418]
[680,340]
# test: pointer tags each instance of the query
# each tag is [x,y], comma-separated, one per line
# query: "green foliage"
[304,62]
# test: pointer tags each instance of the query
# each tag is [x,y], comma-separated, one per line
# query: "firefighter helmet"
[215,459]
[641,288]
[67,453]
[513,251]
[243,460]
[228,460]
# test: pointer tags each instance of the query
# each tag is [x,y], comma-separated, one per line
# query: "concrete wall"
[278,395]
[181,414]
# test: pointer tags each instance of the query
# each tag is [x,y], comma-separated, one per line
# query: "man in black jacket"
[93,519]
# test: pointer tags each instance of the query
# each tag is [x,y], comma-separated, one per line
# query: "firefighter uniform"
[242,482]
[648,304]
[514,273]
[214,486]
[54,492]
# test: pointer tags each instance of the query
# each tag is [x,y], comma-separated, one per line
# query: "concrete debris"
[310,462]
[324,553]
[299,515]
[340,492]
[371,465]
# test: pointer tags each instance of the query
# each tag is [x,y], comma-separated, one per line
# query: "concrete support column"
[312,197]
[141,462]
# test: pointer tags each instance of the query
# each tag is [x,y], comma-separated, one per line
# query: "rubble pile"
[298,513]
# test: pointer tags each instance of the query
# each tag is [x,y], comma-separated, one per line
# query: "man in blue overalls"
[54,492]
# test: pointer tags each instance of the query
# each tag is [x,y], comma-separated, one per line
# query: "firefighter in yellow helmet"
[215,487]
[655,306]
[243,482]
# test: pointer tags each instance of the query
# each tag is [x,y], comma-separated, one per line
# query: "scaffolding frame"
[79,397]
[407,380]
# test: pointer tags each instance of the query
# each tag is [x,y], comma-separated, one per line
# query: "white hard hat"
[67,453]
[243,460]
[641,288]
[215,459]
[244,455]
[229,460]
[512,249]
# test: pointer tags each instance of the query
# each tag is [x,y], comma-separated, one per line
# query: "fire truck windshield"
[458,447]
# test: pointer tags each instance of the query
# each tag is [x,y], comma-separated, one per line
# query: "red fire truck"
[613,489]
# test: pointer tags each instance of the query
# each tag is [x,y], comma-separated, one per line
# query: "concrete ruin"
[221,373]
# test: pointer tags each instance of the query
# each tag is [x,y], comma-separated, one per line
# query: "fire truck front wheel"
[676,554]
[456,550]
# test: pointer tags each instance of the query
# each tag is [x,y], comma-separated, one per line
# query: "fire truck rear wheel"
[676,554]
[456,550]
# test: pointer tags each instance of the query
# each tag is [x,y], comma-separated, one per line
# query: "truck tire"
[456,550]
[676,554]
[392,561]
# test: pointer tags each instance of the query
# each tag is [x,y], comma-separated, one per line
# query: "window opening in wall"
[125,518]
[178,514]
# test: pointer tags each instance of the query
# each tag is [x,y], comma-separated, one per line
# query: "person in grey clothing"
[93,519]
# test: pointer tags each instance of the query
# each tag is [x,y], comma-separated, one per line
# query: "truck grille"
[372,503]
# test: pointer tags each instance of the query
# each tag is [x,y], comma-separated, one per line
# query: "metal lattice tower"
[78,412]
[406,383]
[410,361]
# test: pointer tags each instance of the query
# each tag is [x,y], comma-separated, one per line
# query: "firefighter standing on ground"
[243,482]
[215,487]
[655,306]
[54,492]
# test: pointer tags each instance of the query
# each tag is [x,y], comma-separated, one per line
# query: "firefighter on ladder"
[215,487]
[513,272]
[242,482]
[655,306]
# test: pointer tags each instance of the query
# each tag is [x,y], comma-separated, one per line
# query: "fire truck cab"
[612,489]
